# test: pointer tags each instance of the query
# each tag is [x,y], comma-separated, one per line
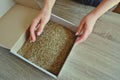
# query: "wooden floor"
[98,58]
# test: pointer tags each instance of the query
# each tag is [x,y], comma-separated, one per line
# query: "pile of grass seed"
[51,47]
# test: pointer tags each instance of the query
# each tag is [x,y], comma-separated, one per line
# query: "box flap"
[29,3]
[14,23]
[5,5]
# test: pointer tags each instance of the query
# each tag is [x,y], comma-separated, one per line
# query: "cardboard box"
[15,18]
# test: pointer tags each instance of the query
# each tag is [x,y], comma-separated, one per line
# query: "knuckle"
[89,32]
[31,30]
[34,20]
[44,21]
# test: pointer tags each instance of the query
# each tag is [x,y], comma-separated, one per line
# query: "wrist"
[48,5]
[46,10]
[94,15]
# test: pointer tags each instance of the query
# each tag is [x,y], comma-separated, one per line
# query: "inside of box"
[58,59]
[14,23]
[51,48]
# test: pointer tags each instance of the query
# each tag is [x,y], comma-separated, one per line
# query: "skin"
[86,24]
[41,20]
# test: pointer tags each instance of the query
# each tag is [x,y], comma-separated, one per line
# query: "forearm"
[48,4]
[104,6]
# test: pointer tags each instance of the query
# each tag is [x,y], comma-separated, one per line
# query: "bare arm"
[88,22]
[48,4]
[41,20]
[104,6]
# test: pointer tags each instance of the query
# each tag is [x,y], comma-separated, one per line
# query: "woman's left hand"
[85,28]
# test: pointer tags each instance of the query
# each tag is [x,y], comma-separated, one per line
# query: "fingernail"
[76,34]
[30,41]
[38,33]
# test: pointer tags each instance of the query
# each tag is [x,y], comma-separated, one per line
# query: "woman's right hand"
[39,23]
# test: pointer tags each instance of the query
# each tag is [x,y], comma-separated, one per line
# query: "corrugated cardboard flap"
[14,23]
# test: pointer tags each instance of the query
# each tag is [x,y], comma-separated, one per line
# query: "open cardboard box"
[15,18]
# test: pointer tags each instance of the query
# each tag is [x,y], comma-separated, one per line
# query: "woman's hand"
[87,23]
[85,28]
[41,20]
[39,23]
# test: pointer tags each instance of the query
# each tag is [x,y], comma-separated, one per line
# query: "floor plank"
[98,58]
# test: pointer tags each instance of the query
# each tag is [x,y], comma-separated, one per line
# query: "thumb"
[83,37]
[80,28]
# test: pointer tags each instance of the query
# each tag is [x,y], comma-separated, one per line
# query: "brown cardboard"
[28,3]
[5,5]
[14,23]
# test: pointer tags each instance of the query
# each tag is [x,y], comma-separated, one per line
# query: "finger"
[83,36]
[40,27]
[32,37]
[32,31]
[80,28]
